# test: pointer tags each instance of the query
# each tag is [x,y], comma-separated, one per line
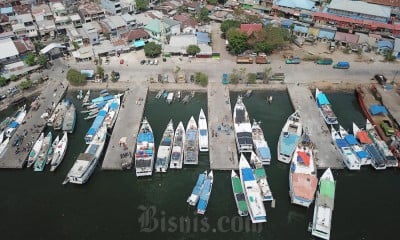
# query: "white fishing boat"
[362,155]
[144,156]
[205,193]
[178,95]
[289,137]
[41,160]
[3,146]
[303,174]
[34,153]
[260,144]
[59,118]
[377,160]
[112,114]
[2,136]
[159,94]
[86,98]
[252,192]
[97,124]
[59,152]
[238,194]
[191,145]
[164,149]
[203,132]
[348,156]
[324,205]
[52,118]
[325,107]
[177,147]
[10,130]
[170,97]
[195,195]
[242,127]
[86,162]
[69,119]
[51,149]
[261,177]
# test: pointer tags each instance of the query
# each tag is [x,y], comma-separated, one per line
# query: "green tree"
[25,84]
[228,24]
[389,57]
[268,39]
[267,73]
[152,49]
[100,71]
[237,41]
[13,78]
[142,4]
[192,50]
[234,76]
[212,2]
[3,81]
[76,45]
[251,78]
[38,46]
[75,77]
[42,59]
[30,59]
[203,15]
[201,78]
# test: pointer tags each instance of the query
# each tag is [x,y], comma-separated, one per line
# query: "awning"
[139,43]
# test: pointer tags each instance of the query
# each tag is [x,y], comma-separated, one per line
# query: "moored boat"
[349,157]
[324,205]
[159,94]
[195,195]
[164,149]
[59,152]
[260,144]
[19,118]
[170,97]
[6,122]
[177,147]
[325,107]
[205,193]
[242,127]
[362,155]
[203,132]
[60,114]
[112,114]
[303,174]
[34,153]
[144,156]
[238,194]
[69,119]
[289,137]
[261,177]
[3,146]
[86,98]
[96,125]
[44,151]
[86,162]
[52,148]
[191,145]
[252,192]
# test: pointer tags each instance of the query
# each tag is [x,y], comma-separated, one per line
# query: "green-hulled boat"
[239,195]
[44,151]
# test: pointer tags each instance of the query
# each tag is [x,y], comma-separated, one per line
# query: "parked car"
[293,60]
[259,75]
[115,75]
[324,61]
[155,61]
[342,65]
[143,62]
[2,97]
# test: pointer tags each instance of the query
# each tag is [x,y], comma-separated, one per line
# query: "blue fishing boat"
[144,156]
[103,98]
[325,107]
[205,193]
[98,121]
[194,197]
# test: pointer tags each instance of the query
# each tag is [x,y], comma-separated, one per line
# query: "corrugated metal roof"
[301,29]
[329,34]
[153,26]
[396,45]
[360,7]
[8,48]
[302,4]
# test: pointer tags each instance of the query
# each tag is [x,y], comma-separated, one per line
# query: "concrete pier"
[327,156]
[49,98]
[222,150]
[391,100]
[127,125]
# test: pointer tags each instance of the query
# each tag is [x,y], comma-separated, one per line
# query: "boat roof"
[350,139]
[288,143]
[304,185]
[322,99]
[363,137]
[14,124]
[247,174]
[199,183]
[145,137]
[237,185]
[264,152]
[191,135]
[376,109]
[341,143]
[362,154]
[260,172]
[327,188]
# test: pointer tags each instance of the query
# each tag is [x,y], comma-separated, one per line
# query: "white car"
[156,62]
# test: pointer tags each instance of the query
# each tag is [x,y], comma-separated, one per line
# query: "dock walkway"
[327,156]
[127,125]
[391,100]
[222,150]
[34,125]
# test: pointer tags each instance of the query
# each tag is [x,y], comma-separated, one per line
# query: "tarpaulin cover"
[303,157]
[377,109]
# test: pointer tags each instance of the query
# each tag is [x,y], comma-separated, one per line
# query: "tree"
[212,2]
[192,50]
[42,59]
[142,4]
[13,78]
[234,76]
[100,71]
[30,59]
[251,78]
[228,24]
[25,84]
[237,41]
[201,78]
[389,57]
[38,46]
[76,45]
[75,77]
[3,81]
[152,49]
[268,39]
[203,15]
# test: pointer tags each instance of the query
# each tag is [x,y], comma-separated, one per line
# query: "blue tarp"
[248,174]
[341,143]
[114,106]
[203,132]
[322,100]
[146,137]
[88,73]
[384,44]
[139,43]
[286,23]
[350,139]
[203,37]
[199,184]
[6,10]
[301,29]
[191,135]
[329,34]
[288,144]
[302,4]
[14,125]
[377,109]
[98,121]
[362,154]
[264,153]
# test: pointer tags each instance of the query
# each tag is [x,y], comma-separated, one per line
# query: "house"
[250,28]
[127,6]
[77,36]
[115,25]
[112,7]
[90,11]
[173,26]
[179,43]
[42,12]
[396,48]
[326,35]
[192,6]
[154,29]
[46,28]
[248,4]
[9,53]
[129,20]
[23,26]
[222,15]
[187,23]
[367,42]
[5,25]
[346,39]
[58,9]
[8,11]
[301,31]
[296,4]
[136,35]
[92,31]
[83,54]
[390,3]
[203,38]
[23,46]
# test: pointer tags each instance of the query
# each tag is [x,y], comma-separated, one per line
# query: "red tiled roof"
[3,18]
[393,3]
[119,42]
[250,28]
[21,47]
[136,34]
[185,21]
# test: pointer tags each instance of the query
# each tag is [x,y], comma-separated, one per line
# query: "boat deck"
[222,151]
[327,156]
[391,100]
[127,125]
[51,94]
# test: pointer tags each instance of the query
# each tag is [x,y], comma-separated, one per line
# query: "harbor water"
[117,205]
